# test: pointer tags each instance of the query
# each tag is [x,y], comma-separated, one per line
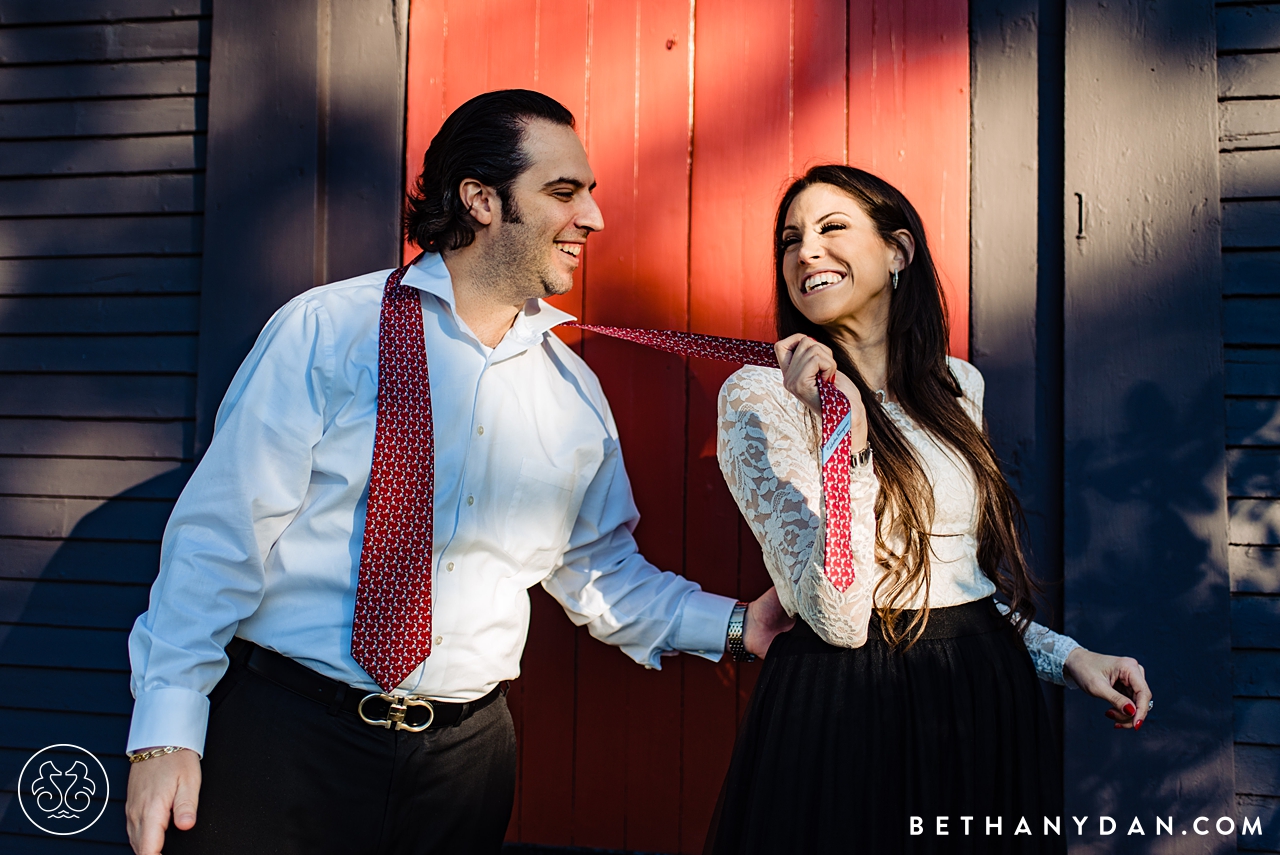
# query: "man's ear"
[480,200]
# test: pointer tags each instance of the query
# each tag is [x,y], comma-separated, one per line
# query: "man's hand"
[158,787]
[1118,680]
[765,620]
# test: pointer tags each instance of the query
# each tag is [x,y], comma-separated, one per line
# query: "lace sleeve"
[1049,650]
[767,447]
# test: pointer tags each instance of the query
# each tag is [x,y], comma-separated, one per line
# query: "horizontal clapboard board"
[1249,124]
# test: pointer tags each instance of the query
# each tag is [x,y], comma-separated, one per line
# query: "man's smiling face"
[540,237]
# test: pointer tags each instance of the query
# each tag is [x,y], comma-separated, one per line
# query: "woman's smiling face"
[834,261]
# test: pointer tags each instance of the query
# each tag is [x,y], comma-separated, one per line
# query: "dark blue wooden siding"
[1249,113]
[102,148]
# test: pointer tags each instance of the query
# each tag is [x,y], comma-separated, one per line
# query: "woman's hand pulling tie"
[803,360]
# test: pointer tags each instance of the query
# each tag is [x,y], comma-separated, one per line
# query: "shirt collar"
[430,274]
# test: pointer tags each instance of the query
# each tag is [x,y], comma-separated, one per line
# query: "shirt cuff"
[704,625]
[1069,644]
[169,716]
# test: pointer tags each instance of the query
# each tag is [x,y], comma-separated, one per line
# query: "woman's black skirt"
[884,751]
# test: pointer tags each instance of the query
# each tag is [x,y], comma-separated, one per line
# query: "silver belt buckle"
[400,705]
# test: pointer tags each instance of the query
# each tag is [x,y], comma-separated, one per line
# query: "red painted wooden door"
[694,115]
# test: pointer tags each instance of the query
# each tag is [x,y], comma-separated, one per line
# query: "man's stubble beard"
[517,264]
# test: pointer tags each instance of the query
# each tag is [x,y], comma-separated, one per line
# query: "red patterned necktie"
[391,631]
[836,421]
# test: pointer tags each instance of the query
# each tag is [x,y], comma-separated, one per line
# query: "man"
[342,590]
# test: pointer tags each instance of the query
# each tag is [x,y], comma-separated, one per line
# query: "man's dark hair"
[483,139]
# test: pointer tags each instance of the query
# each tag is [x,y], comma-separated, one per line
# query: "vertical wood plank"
[599,755]
[365,125]
[1015,287]
[638,138]
[909,124]
[424,87]
[664,120]
[260,225]
[741,159]
[602,759]
[560,70]
[1005,172]
[546,740]
[512,43]
[467,48]
[819,97]
[1144,427]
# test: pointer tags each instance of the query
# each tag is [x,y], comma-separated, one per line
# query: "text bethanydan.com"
[992,826]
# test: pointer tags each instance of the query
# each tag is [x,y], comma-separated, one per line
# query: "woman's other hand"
[1118,680]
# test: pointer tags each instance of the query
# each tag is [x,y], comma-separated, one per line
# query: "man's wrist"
[168,715]
[152,753]
[735,640]
[703,619]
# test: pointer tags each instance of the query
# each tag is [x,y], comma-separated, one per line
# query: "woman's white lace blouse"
[767,445]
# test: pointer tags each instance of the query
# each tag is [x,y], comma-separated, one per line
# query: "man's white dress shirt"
[265,541]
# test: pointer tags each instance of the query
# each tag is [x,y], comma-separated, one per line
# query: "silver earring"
[895,280]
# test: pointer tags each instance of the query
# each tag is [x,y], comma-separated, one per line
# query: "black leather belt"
[392,711]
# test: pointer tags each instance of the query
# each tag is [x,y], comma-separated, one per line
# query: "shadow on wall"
[1161,450]
[1157,480]
[305,166]
[66,655]
[1145,517]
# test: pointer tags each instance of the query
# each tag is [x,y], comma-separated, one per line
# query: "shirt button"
[471,500]
[480,430]
[439,639]
[449,566]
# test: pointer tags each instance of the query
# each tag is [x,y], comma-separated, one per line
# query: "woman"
[908,693]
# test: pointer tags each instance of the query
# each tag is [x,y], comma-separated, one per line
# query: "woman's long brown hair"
[929,393]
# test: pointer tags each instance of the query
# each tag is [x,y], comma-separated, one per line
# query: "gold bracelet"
[155,752]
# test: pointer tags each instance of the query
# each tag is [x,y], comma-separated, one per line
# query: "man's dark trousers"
[284,774]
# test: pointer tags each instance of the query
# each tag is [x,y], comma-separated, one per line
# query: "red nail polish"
[1116,725]
[1137,724]
[1130,709]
